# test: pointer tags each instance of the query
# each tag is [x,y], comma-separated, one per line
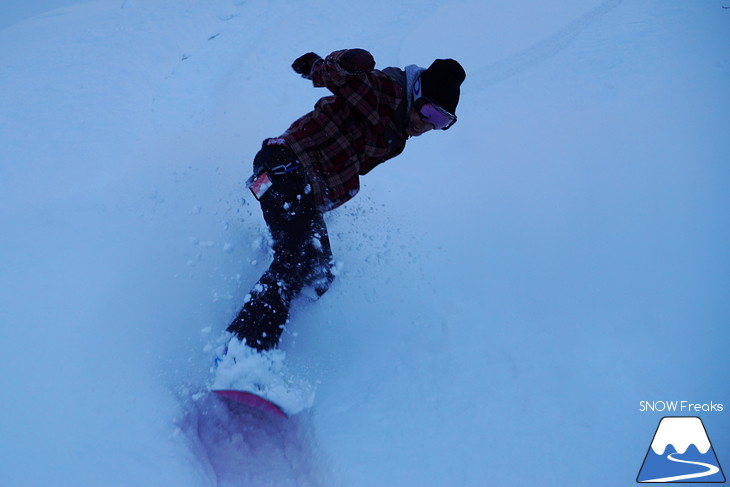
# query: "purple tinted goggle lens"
[435,115]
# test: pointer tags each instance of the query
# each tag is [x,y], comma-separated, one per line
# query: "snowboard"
[251,401]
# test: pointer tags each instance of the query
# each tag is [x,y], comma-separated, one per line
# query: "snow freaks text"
[679,407]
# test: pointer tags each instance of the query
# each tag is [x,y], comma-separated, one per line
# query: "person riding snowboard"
[315,166]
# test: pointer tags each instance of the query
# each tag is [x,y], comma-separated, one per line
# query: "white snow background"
[511,289]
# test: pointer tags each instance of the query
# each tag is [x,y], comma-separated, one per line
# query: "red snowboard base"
[251,400]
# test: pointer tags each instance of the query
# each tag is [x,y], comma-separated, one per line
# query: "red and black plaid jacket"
[350,132]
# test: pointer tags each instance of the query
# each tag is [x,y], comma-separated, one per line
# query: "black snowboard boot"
[262,318]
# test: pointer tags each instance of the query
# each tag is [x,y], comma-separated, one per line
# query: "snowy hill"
[510,289]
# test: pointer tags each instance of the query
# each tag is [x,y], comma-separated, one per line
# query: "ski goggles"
[430,112]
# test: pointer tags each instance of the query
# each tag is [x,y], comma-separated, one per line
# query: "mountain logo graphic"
[680,452]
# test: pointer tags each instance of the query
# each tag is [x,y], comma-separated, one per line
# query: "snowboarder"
[315,166]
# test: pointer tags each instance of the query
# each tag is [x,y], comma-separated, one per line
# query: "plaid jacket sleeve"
[367,94]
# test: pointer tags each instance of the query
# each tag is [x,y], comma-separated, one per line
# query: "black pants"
[302,253]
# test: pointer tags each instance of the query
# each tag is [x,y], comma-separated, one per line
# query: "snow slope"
[510,290]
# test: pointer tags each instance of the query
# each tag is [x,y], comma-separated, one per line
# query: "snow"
[508,291]
[240,368]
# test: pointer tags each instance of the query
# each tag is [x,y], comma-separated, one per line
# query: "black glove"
[357,61]
[303,64]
